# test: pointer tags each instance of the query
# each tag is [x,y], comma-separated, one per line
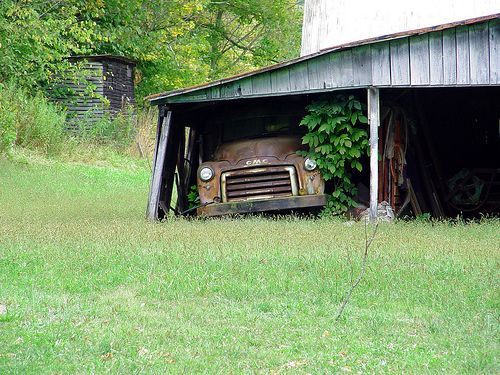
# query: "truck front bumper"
[263,205]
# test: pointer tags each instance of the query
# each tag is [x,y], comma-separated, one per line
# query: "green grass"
[91,287]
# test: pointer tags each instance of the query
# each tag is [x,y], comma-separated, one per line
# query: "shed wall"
[118,85]
[78,103]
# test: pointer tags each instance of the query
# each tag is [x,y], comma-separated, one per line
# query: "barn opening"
[251,123]
[432,103]
[438,151]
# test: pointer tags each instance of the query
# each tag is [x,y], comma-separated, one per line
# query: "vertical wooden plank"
[155,187]
[261,83]
[299,78]
[313,73]
[319,72]
[463,68]
[167,178]
[374,120]
[335,68]
[381,64]
[419,60]
[190,152]
[400,62]
[209,93]
[159,125]
[325,71]
[346,70]
[228,90]
[449,57]
[246,86]
[436,58]
[215,92]
[182,189]
[342,69]
[311,27]
[362,66]
[494,32]
[280,80]
[479,53]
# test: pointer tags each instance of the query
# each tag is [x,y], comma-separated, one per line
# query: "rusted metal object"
[474,190]
[256,175]
[266,205]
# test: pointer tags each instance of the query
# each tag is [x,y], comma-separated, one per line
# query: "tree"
[175,42]
[242,35]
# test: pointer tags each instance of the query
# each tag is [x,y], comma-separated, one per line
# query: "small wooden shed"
[112,87]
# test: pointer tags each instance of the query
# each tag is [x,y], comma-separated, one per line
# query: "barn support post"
[374,121]
[169,166]
[157,181]
[182,188]
[159,125]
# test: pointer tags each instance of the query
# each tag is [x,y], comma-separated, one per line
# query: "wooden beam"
[190,152]
[161,117]
[169,165]
[156,181]
[182,189]
[374,121]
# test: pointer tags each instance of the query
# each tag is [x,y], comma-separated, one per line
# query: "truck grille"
[259,183]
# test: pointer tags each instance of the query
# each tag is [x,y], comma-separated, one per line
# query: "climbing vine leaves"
[337,141]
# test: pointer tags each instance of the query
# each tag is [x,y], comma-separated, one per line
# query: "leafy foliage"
[241,35]
[116,131]
[36,37]
[176,43]
[193,197]
[29,121]
[336,142]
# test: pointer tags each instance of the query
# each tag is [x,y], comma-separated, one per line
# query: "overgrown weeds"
[31,122]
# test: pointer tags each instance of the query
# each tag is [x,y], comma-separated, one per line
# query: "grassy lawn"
[91,287]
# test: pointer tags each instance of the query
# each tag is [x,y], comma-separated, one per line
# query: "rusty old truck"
[259,172]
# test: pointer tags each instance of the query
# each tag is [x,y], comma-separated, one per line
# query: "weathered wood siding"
[80,105]
[118,85]
[329,23]
[461,56]
[112,79]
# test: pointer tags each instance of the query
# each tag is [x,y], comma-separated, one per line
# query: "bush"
[29,121]
[34,123]
[118,131]
[337,139]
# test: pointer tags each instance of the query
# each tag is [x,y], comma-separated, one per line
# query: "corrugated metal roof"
[156,98]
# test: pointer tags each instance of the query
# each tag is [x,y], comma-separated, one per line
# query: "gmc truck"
[259,173]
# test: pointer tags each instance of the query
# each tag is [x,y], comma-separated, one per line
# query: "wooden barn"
[440,83]
[112,87]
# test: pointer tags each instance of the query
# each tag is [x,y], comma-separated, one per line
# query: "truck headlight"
[310,164]
[206,174]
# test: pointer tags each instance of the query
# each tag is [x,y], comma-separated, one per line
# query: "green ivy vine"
[193,197]
[337,141]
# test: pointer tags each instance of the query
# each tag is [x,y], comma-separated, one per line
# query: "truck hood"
[278,147]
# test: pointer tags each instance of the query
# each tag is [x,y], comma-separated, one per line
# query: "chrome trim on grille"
[260,183]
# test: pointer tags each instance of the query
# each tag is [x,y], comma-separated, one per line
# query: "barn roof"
[463,53]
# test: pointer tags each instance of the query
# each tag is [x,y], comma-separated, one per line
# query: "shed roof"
[121,59]
[462,53]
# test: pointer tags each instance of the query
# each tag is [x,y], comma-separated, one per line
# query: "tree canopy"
[176,43]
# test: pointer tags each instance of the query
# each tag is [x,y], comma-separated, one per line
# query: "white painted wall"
[329,23]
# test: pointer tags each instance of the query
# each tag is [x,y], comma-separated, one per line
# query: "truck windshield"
[261,127]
